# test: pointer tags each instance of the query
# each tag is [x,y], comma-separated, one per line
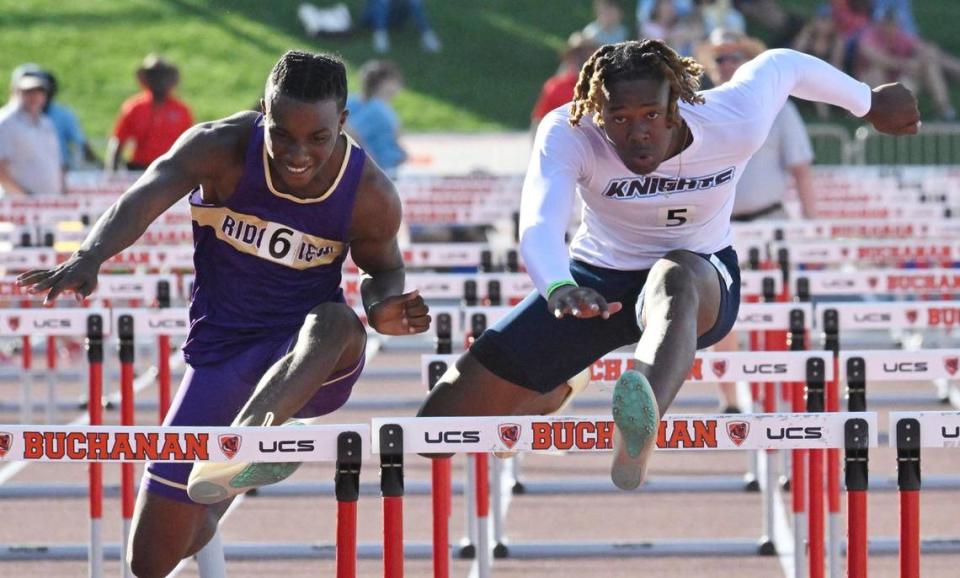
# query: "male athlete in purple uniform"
[277,201]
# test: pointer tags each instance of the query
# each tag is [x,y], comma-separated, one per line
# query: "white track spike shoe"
[213,482]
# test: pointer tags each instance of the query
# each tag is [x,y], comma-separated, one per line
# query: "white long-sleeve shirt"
[629,220]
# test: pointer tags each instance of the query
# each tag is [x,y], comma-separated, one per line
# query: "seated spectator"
[819,38]
[886,53]
[902,12]
[153,119]
[681,32]
[30,163]
[717,14]
[372,121]
[558,89]
[645,9]
[73,141]
[608,28]
[384,14]
[782,24]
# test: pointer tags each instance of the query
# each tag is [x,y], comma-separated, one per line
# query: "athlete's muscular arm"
[373,245]
[199,157]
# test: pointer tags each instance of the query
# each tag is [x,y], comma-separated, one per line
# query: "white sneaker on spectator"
[381,42]
[430,42]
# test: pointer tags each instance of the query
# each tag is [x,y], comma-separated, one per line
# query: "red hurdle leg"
[908,482]
[163,375]
[347,487]
[441,476]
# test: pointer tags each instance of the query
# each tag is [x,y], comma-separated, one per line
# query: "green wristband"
[558,284]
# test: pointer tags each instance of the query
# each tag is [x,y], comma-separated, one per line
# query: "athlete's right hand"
[77,274]
[582,302]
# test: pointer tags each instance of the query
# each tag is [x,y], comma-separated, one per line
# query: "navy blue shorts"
[534,349]
[213,395]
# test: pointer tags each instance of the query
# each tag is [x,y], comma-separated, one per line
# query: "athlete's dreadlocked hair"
[309,77]
[631,61]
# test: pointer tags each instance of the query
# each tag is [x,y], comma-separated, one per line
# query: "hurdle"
[540,433]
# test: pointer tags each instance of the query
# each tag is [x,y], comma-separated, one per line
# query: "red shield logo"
[873,282]
[229,444]
[509,434]
[845,252]
[719,367]
[738,432]
[6,441]
[951,364]
[912,315]
[14,322]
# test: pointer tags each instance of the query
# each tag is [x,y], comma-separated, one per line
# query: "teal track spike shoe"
[637,420]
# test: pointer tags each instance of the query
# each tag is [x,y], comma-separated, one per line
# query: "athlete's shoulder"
[220,141]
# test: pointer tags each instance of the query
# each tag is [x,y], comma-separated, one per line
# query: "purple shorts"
[212,395]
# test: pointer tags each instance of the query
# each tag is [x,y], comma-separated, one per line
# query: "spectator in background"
[819,38]
[608,28]
[785,156]
[717,14]
[153,119]
[886,53]
[681,31]
[73,141]
[782,25]
[30,162]
[902,12]
[558,89]
[373,121]
[384,14]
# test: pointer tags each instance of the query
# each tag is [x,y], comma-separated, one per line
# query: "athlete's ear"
[343,118]
[263,106]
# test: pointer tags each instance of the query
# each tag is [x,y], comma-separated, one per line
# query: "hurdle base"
[467,552]
[501,551]
[766,547]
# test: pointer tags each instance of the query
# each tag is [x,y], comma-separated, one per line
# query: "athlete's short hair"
[634,60]
[309,77]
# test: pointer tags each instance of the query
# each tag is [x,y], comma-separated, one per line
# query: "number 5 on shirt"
[676,216]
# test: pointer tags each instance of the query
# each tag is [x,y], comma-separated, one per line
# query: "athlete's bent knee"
[338,319]
[151,561]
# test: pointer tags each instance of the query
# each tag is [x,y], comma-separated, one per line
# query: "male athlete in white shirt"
[656,163]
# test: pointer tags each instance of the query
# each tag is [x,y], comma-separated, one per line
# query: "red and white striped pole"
[391,488]
[347,485]
[908,482]
[95,408]
[163,355]
[442,498]
[127,492]
[483,514]
[856,478]
[815,392]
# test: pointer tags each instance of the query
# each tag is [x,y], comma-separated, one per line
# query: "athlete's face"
[300,136]
[635,120]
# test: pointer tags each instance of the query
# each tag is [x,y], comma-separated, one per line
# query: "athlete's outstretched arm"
[777,74]
[375,250]
[169,178]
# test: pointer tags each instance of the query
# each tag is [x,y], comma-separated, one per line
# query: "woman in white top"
[656,164]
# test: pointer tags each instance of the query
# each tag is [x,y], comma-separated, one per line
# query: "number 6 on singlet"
[676,216]
[280,244]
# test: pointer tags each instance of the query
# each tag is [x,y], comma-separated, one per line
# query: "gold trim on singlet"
[323,197]
[267,240]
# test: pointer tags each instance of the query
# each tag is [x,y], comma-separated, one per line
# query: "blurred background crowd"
[424,65]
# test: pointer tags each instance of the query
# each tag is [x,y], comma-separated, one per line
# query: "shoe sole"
[637,420]
[253,476]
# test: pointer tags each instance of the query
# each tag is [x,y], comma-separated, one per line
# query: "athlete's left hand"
[893,110]
[400,315]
